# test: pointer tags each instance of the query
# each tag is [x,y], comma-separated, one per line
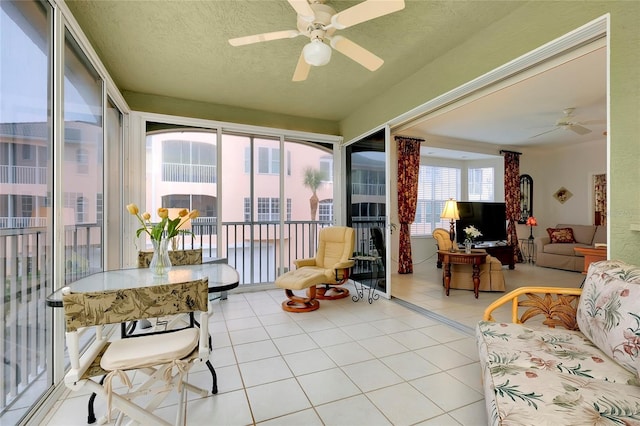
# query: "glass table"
[221,277]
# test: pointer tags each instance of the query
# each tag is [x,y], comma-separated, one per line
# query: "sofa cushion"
[561,235]
[563,249]
[515,348]
[609,311]
[582,234]
[542,376]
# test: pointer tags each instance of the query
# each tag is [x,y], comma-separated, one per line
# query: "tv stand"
[500,250]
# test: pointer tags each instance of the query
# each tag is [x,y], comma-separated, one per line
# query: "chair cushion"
[147,351]
[301,278]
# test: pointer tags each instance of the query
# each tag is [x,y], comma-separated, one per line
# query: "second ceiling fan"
[567,122]
[319,22]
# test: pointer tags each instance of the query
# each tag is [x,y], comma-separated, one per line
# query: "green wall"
[528,27]
[226,113]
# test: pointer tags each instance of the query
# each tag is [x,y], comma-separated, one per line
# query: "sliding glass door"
[366,194]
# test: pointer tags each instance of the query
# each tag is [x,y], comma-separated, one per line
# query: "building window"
[325,211]
[326,167]
[188,161]
[436,184]
[26,152]
[247,209]
[481,184]
[268,209]
[80,210]
[268,160]
[99,208]
[82,161]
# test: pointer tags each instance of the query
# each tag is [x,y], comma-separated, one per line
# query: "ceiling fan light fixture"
[317,53]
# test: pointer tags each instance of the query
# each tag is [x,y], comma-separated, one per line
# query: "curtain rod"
[409,138]
[504,151]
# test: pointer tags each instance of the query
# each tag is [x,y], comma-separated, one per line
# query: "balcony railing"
[251,248]
[197,173]
[23,174]
[368,188]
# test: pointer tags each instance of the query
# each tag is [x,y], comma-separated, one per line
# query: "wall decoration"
[562,195]
[526,198]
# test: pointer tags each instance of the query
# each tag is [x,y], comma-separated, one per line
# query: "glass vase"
[160,262]
[467,247]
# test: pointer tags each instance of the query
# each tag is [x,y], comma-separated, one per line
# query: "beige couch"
[563,255]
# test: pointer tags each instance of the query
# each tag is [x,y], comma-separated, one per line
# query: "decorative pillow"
[609,311]
[561,235]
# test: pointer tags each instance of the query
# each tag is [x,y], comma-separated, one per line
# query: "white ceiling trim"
[238,128]
[584,35]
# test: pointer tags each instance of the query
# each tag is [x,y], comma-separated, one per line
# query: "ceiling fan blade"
[302,69]
[303,9]
[258,38]
[544,133]
[365,11]
[588,122]
[356,52]
[579,129]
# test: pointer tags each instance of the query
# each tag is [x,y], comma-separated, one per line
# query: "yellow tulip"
[163,213]
[146,216]
[133,209]
[194,214]
[183,213]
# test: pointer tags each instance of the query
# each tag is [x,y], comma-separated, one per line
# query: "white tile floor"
[345,364]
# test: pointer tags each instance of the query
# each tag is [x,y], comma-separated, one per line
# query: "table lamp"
[450,211]
[531,222]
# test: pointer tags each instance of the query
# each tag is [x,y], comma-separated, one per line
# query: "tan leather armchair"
[335,248]
[491,276]
[443,242]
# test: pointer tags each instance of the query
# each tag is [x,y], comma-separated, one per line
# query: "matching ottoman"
[300,279]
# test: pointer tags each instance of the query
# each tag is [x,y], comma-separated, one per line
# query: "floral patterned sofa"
[585,373]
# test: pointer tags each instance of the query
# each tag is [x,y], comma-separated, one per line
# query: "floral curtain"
[408,168]
[512,198]
[600,198]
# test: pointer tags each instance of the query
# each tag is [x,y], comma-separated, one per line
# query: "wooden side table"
[591,255]
[475,258]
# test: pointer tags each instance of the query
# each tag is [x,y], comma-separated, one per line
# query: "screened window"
[481,184]
[436,184]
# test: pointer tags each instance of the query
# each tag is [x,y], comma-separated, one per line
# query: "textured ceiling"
[179,49]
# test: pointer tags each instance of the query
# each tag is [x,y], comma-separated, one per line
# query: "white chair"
[164,358]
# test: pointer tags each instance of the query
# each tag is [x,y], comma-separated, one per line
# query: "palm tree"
[313,179]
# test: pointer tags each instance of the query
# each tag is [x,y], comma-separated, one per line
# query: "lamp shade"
[450,210]
[531,221]
[316,53]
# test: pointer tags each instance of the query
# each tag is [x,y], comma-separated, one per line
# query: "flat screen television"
[488,218]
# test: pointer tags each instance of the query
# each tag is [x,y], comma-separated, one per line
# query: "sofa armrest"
[558,305]
[540,242]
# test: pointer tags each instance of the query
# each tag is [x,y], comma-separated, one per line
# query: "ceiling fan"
[567,123]
[319,22]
